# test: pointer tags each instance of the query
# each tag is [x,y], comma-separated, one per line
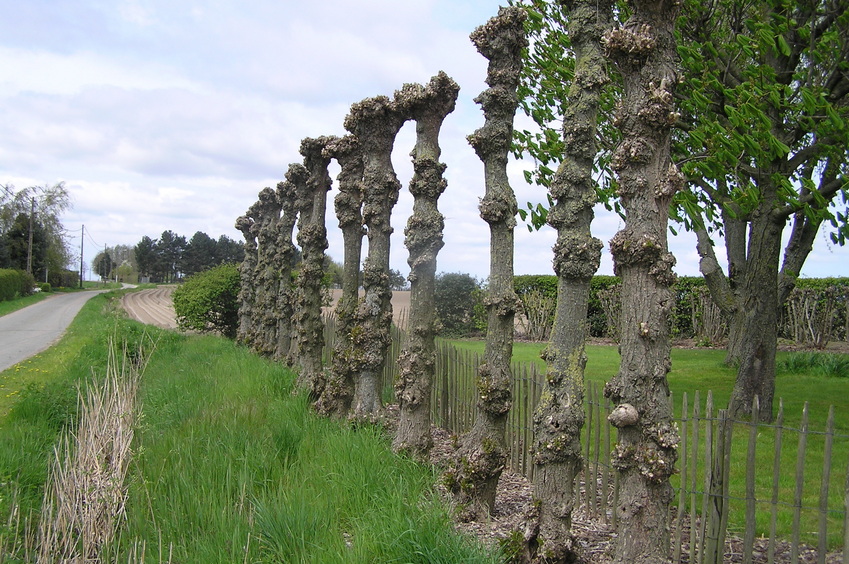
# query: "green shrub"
[455,296]
[208,301]
[15,284]
[545,284]
[45,287]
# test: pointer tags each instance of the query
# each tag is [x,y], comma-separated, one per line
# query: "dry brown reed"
[85,494]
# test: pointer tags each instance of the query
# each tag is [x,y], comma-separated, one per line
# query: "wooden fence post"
[776,473]
[717,513]
[709,426]
[797,497]
[822,545]
[749,531]
[679,521]
[846,511]
[694,528]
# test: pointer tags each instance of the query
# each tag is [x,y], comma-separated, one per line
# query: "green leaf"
[783,47]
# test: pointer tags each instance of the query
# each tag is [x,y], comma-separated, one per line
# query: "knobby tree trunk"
[644,52]
[257,226]
[429,106]
[247,290]
[559,416]
[338,394]
[285,257]
[474,474]
[375,122]
[267,217]
[312,237]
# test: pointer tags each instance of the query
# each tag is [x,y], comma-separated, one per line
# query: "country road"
[29,331]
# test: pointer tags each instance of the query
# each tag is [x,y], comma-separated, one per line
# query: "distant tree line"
[32,237]
[168,258]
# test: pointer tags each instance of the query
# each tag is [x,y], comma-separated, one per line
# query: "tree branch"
[717,282]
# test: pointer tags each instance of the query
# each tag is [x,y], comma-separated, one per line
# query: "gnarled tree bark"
[312,237]
[338,394]
[473,476]
[285,258]
[645,53]
[247,291]
[266,213]
[559,416]
[429,106]
[375,122]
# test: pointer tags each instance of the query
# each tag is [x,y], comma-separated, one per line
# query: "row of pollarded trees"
[282,319]
[280,306]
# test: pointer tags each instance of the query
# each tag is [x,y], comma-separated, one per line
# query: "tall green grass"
[229,466]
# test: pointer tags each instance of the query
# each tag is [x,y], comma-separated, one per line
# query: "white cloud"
[47,72]
[173,115]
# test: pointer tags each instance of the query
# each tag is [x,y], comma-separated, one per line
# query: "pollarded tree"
[644,52]
[559,416]
[480,459]
[247,292]
[765,108]
[423,236]
[312,238]
[338,394]
[375,122]
[762,140]
[284,258]
[266,215]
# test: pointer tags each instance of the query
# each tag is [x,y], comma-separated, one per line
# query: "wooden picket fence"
[706,461]
[708,456]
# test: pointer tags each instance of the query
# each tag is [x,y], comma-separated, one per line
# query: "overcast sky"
[173,115]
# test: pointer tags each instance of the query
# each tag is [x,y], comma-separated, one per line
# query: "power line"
[92,241]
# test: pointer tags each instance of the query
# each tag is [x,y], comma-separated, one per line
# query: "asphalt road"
[33,329]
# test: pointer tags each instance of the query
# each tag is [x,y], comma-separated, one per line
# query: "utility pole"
[82,240]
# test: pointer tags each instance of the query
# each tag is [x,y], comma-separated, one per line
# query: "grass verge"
[229,466]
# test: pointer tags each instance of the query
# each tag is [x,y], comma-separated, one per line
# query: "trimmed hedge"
[15,284]
[686,292]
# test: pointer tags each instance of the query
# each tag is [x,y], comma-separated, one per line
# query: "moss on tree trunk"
[429,106]
[645,454]
[375,122]
[339,392]
[284,258]
[266,214]
[244,333]
[480,460]
[312,237]
[559,416]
